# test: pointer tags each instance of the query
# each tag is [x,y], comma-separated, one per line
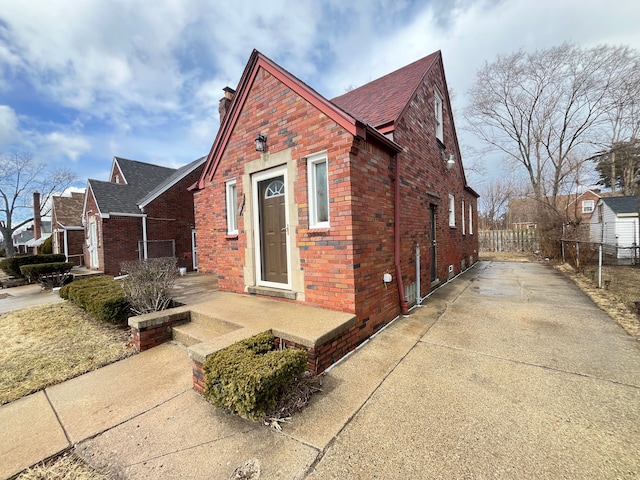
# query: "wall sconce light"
[261,143]
[450,163]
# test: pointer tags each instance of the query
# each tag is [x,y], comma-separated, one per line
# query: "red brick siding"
[170,216]
[75,242]
[120,237]
[344,265]
[373,187]
[424,181]
[289,122]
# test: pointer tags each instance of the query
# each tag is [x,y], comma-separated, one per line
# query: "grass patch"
[617,300]
[67,467]
[45,345]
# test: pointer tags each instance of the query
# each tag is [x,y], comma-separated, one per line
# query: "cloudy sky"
[84,80]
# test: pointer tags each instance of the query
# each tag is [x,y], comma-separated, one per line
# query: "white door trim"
[194,249]
[255,179]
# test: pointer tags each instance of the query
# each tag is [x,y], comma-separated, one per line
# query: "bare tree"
[20,176]
[544,110]
[494,202]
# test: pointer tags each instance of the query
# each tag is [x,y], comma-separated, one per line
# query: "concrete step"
[201,329]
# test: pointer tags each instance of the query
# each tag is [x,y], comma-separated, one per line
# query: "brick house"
[143,211]
[66,227]
[324,202]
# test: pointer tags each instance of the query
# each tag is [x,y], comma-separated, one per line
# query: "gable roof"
[140,178]
[171,181]
[622,206]
[114,198]
[68,210]
[257,61]
[140,173]
[380,102]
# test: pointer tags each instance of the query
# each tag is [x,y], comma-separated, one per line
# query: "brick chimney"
[225,101]
[37,223]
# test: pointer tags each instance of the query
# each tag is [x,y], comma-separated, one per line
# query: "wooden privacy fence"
[508,241]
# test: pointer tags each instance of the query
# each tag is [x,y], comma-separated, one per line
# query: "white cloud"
[68,145]
[9,131]
[143,81]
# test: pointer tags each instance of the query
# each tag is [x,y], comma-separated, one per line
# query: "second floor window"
[587,206]
[438,113]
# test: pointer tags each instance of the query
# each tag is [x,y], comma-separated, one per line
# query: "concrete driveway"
[522,376]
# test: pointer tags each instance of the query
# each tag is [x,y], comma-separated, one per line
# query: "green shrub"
[101,297]
[11,266]
[246,377]
[47,247]
[48,274]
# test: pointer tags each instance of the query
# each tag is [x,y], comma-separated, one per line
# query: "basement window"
[318,184]
[232,207]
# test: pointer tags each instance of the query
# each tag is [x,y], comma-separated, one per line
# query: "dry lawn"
[45,345]
[67,467]
[617,300]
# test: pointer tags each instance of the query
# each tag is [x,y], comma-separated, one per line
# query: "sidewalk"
[506,372]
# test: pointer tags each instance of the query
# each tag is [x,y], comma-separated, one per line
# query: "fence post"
[578,256]
[600,266]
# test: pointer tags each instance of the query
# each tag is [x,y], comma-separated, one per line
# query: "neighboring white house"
[615,225]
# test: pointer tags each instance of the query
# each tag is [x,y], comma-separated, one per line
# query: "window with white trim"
[470,219]
[318,185]
[438,101]
[452,210]
[462,219]
[587,206]
[232,207]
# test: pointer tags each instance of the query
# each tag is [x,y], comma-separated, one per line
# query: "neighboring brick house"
[143,211]
[574,208]
[331,211]
[67,230]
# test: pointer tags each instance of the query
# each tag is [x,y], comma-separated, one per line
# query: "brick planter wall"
[152,329]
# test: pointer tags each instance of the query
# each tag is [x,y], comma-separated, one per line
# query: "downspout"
[144,237]
[66,245]
[404,306]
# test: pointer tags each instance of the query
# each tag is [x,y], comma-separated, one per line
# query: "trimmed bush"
[101,297]
[47,247]
[48,274]
[11,266]
[245,377]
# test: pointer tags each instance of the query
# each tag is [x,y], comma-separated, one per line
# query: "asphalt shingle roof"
[177,175]
[622,205]
[69,209]
[381,101]
[140,173]
[141,178]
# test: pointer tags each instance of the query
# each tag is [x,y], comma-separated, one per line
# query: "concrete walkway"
[507,372]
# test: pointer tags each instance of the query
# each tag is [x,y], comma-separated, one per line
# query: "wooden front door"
[273,230]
